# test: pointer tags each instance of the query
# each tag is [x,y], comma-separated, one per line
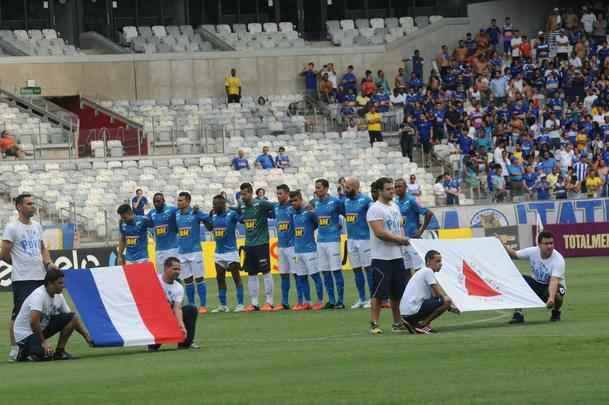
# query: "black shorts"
[257,259]
[32,345]
[542,290]
[426,143]
[234,98]
[389,278]
[22,290]
[428,307]
[375,136]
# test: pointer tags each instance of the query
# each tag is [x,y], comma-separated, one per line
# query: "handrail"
[85,101]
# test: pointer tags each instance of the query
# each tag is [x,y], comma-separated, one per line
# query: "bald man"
[358,238]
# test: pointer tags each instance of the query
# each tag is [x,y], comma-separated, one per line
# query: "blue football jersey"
[328,212]
[136,238]
[305,222]
[164,226]
[224,227]
[411,212]
[189,230]
[355,217]
[283,222]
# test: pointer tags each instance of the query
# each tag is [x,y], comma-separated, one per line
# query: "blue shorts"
[427,308]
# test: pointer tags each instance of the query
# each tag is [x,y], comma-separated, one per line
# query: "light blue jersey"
[163,223]
[304,222]
[355,217]
[224,226]
[136,238]
[328,211]
[411,213]
[189,230]
[283,220]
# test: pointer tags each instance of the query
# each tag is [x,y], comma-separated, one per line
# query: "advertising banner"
[477,274]
[581,240]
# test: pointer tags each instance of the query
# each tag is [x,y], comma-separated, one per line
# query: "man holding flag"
[547,278]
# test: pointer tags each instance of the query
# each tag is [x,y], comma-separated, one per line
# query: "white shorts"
[287,261]
[306,264]
[162,255]
[359,253]
[412,260]
[225,259]
[192,265]
[329,256]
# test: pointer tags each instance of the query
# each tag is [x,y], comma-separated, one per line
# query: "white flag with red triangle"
[477,274]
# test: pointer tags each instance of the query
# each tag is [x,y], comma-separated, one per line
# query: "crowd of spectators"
[263,161]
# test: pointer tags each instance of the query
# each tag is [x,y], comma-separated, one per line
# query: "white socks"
[268,287]
[252,286]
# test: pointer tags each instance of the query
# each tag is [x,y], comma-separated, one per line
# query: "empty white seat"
[286,27]
[406,22]
[223,29]
[421,21]
[362,23]
[347,25]
[270,27]
[377,23]
[254,27]
[159,31]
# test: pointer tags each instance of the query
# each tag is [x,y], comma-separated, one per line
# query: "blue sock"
[370,277]
[360,284]
[329,283]
[299,290]
[306,289]
[319,288]
[222,296]
[202,292]
[240,295]
[285,289]
[340,285]
[190,293]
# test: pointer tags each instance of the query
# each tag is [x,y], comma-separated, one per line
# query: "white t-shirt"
[174,291]
[399,99]
[543,269]
[414,189]
[26,252]
[417,290]
[566,158]
[588,21]
[562,42]
[516,41]
[392,222]
[38,300]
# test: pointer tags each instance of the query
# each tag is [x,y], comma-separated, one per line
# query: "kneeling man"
[186,315]
[424,300]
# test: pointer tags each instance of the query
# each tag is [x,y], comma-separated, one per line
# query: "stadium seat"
[270,27]
[347,25]
[421,21]
[286,27]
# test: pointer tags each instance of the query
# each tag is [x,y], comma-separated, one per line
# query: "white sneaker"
[13,354]
[239,308]
[221,308]
[367,305]
[358,304]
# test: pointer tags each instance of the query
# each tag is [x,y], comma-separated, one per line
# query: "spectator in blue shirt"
[516,172]
[499,87]
[349,80]
[139,202]
[282,161]
[265,160]
[451,186]
[494,33]
[310,76]
[240,162]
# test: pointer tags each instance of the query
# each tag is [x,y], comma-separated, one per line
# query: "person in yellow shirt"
[373,118]
[593,183]
[581,139]
[233,87]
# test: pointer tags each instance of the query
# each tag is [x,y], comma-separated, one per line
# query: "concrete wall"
[528,16]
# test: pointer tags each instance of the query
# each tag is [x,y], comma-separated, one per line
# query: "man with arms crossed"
[223,225]
[424,300]
[254,215]
[133,242]
[24,249]
[547,274]
[390,276]
[186,315]
[44,314]
[285,244]
[358,238]
[162,219]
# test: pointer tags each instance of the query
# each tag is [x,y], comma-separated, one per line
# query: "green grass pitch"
[328,357]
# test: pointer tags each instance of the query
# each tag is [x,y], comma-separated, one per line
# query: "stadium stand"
[376,31]
[44,42]
[161,39]
[268,35]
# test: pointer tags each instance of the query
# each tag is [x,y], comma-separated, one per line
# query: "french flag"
[123,305]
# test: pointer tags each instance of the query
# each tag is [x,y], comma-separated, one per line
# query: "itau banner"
[478,275]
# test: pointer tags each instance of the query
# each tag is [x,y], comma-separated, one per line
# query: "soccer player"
[223,225]
[285,243]
[186,315]
[305,249]
[254,215]
[424,300]
[24,249]
[358,238]
[162,218]
[387,239]
[547,274]
[411,213]
[188,222]
[45,313]
[133,242]
[328,210]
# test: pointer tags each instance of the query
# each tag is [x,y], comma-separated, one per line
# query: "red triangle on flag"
[475,285]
